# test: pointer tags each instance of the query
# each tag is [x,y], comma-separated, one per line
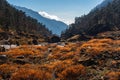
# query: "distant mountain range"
[53,25]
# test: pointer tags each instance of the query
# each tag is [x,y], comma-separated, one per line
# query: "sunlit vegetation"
[94,59]
[31,74]
[6,70]
[73,72]
[86,54]
[25,51]
[98,46]
[113,76]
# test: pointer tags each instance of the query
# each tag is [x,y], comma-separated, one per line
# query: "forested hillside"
[56,27]
[100,20]
[14,23]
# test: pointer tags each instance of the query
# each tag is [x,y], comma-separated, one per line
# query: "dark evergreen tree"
[13,19]
[97,21]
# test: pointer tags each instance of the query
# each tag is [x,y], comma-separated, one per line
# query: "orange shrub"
[1,29]
[6,70]
[68,61]
[54,56]
[117,49]
[68,55]
[98,46]
[112,76]
[95,48]
[24,50]
[0,77]
[61,67]
[56,66]
[41,48]
[73,73]
[30,74]
[63,49]
[101,41]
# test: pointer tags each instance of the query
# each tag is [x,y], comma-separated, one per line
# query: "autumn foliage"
[113,76]
[98,46]
[93,60]
[30,74]
[73,72]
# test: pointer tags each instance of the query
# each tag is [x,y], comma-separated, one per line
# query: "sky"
[63,10]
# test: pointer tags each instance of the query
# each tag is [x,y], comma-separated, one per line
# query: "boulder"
[74,38]
[2,49]
[79,38]
[3,59]
[20,57]
[54,39]
[20,61]
[35,42]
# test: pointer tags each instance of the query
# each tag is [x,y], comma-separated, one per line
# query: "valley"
[34,47]
[97,59]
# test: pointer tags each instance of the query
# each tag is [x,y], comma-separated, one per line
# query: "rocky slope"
[98,21]
[15,26]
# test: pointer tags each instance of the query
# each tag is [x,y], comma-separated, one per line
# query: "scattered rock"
[81,37]
[74,38]
[35,42]
[20,57]
[54,39]
[89,62]
[49,50]
[109,34]
[19,61]
[2,49]
[3,57]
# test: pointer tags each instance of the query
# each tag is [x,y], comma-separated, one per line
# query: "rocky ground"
[97,59]
[109,34]
[19,38]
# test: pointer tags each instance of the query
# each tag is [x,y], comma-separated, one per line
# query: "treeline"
[99,20]
[13,19]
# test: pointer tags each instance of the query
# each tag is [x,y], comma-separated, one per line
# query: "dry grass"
[61,62]
[6,70]
[25,51]
[73,72]
[98,46]
[31,74]
[113,76]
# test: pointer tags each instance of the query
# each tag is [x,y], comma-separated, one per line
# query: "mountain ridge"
[97,21]
[16,27]
[104,3]
[55,26]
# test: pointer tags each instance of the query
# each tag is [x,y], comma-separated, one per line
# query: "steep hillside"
[13,22]
[104,3]
[97,21]
[55,26]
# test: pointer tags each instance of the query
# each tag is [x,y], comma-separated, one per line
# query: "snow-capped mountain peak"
[52,22]
[45,14]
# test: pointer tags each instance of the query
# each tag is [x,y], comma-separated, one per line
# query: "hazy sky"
[65,10]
